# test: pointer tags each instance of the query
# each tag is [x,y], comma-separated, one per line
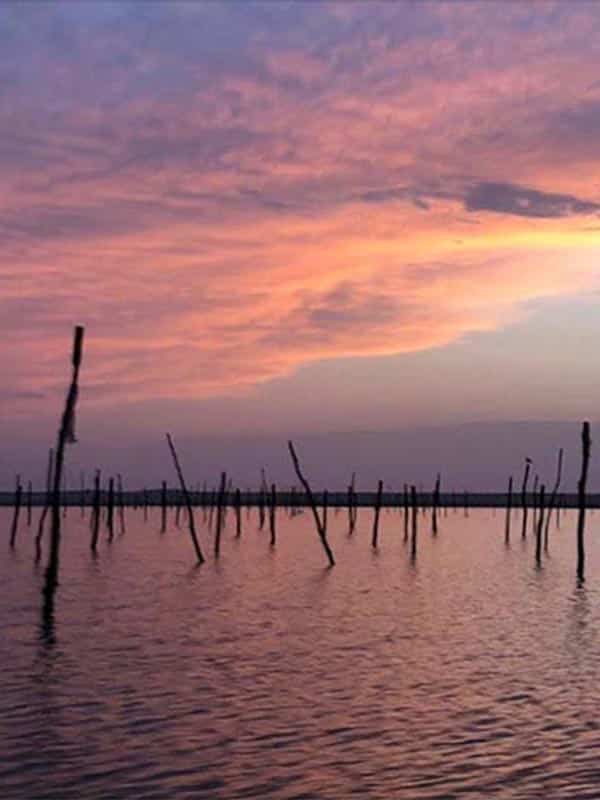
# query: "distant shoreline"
[287,499]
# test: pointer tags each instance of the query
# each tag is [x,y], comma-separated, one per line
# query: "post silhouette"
[524,497]
[16,512]
[190,510]
[586,444]
[540,526]
[377,511]
[66,434]
[320,529]
[95,517]
[508,510]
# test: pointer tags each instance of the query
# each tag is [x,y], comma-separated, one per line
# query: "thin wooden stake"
[190,510]
[377,511]
[65,434]
[16,512]
[586,444]
[313,505]
[540,526]
[508,510]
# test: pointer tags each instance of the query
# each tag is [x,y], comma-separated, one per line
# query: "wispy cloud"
[224,192]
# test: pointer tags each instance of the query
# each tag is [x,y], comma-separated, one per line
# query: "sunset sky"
[298,217]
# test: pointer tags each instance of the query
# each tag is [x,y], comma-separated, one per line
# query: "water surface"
[469,672]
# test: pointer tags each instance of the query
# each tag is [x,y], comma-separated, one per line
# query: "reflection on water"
[463,672]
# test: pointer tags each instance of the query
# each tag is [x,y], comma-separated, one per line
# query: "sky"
[296,218]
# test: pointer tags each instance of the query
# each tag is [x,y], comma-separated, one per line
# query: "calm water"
[467,674]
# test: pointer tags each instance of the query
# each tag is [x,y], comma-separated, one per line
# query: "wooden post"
[415,511]
[586,444]
[145,495]
[325,508]
[190,510]
[435,504]
[65,435]
[44,514]
[95,512]
[16,512]
[238,513]
[406,512]
[313,505]
[524,497]
[220,501]
[377,511]
[534,505]
[351,505]
[272,509]
[540,526]
[508,510]
[466,503]
[552,501]
[163,507]
[110,511]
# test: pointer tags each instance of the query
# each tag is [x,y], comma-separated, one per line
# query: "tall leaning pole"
[66,435]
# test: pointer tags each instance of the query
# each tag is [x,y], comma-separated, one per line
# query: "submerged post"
[29,502]
[66,435]
[110,511]
[163,507]
[377,511]
[435,504]
[415,511]
[552,501]
[220,501]
[16,512]
[95,512]
[540,526]
[190,510]
[586,444]
[313,505]
[524,497]
[238,513]
[508,510]
[272,511]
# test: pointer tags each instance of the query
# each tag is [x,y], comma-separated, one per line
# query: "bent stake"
[187,500]
[313,505]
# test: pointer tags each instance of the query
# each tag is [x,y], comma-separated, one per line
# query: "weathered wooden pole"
[325,508]
[508,510]
[163,507]
[415,511]
[352,505]
[586,444]
[16,512]
[95,516]
[540,526]
[376,513]
[220,502]
[406,513]
[534,505]
[190,510]
[48,499]
[435,504]
[145,496]
[66,434]
[320,529]
[552,501]
[110,511]
[238,513]
[524,497]
[261,508]
[272,511]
